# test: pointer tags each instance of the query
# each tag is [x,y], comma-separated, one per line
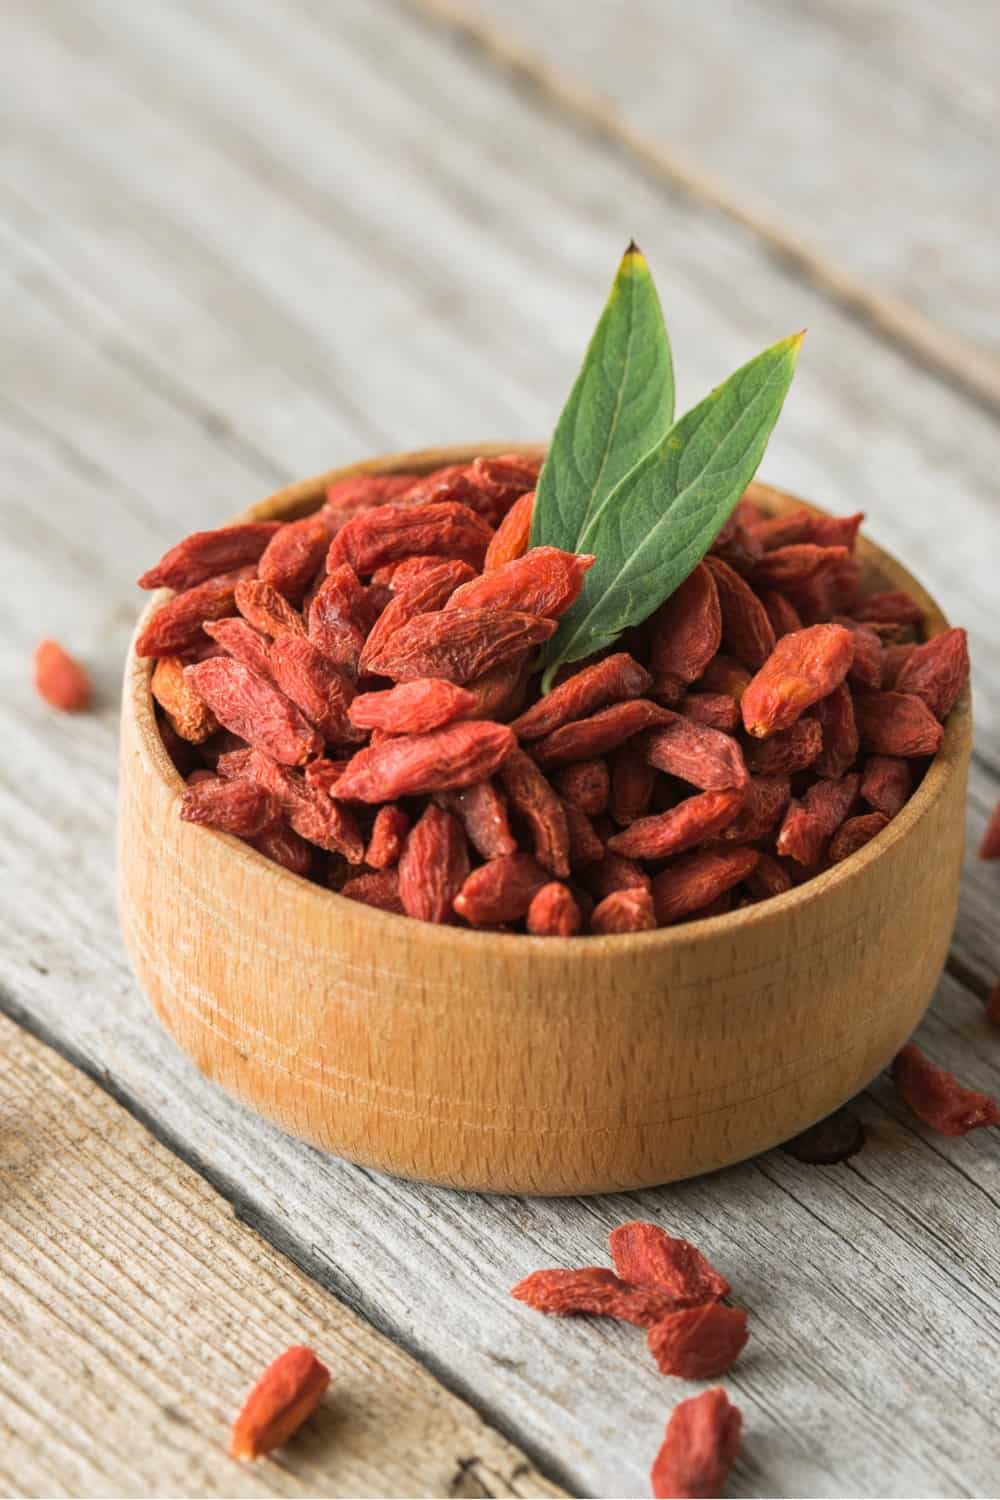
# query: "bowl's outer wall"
[532,1065]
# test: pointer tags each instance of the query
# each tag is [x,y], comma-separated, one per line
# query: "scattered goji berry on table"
[989,847]
[936,1096]
[285,1396]
[593,1291]
[698,1343]
[646,1253]
[702,1440]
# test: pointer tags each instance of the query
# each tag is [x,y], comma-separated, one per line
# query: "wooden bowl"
[533,1065]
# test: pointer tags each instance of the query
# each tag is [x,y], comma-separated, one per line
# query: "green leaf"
[665,513]
[620,406]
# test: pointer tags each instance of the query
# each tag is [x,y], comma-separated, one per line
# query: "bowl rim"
[305,495]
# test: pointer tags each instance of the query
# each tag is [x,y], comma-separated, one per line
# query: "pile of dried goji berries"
[666,1286]
[355,694]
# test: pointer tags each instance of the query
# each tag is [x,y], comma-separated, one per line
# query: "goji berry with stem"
[701,1442]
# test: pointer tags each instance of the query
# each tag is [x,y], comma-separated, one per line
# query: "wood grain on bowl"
[515,1064]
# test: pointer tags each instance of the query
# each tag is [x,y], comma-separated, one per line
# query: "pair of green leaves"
[622,480]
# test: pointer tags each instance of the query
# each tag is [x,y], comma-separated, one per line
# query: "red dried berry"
[412,707]
[586,784]
[433,866]
[937,672]
[378,888]
[936,1096]
[340,617]
[293,556]
[886,783]
[714,710]
[835,716]
[482,812]
[553,912]
[702,1440]
[690,823]
[746,628]
[312,682]
[624,911]
[388,835]
[266,609]
[250,706]
[892,607]
[60,679]
[593,1291]
[176,627]
[989,848]
[803,668]
[239,807]
[790,750]
[853,834]
[240,640]
[511,538]
[687,629]
[644,1252]
[703,757]
[764,802]
[545,581]
[600,733]
[606,682]
[695,880]
[810,823]
[410,764]
[897,724]
[585,846]
[698,1343]
[389,533]
[500,890]
[457,644]
[205,554]
[307,807]
[285,848]
[533,799]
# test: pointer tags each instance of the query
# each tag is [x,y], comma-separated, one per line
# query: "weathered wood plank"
[357,236]
[135,1313]
[868,130]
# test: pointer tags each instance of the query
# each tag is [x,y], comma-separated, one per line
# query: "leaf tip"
[632,248]
[633,259]
[794,341]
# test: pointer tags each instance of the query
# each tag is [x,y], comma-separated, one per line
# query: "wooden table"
[242,244]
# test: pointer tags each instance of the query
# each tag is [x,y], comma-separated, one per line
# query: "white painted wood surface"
[242,244]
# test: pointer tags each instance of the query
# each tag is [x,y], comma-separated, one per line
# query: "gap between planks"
[946,354]
[135,1312]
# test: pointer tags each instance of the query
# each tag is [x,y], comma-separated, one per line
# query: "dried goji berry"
[892,607]
[500,693]
[803,668]
[60,679]
[791,566]
[690,823]
[615,872]
[553,912]
[936,1096]
[701,756]
[702,1440]
[315,685]
[412,707]
[725,675]
[736,546]
[584,843]
[893,660]
[769,877]
[545,581]
[695,880]
[293,556]
[339,618]
[624,911]
[835,716]
[714,710]
[362,491]
[790,750]
[781,612]
[808,824]
[428,591]
[309,810]
[886,783]
[612,680]
[831,1140]
[533,799]
[286,1394]
[176,626]
[600,733]
[512,535]
[644,1252]
[205,554]
[191,718]
[388,834]
[433,866]
[854,834]
[989,848]
[388,533]
[698,1343]
[632,782]
[409,764]
[457,644]
[746,628]
[585,783]
[323,774]
[252,707]
[286,848]
[482,812]
[937,672]
[687,629]
[238,807]
[505,477]
[379,888]
[240,640]
[897,724]
[593,1291]
[500,890]
[764,801]
[266,609]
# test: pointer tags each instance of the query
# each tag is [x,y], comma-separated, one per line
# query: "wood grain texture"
[239,244]
[874,172]
[135,1314]
[596,1063]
